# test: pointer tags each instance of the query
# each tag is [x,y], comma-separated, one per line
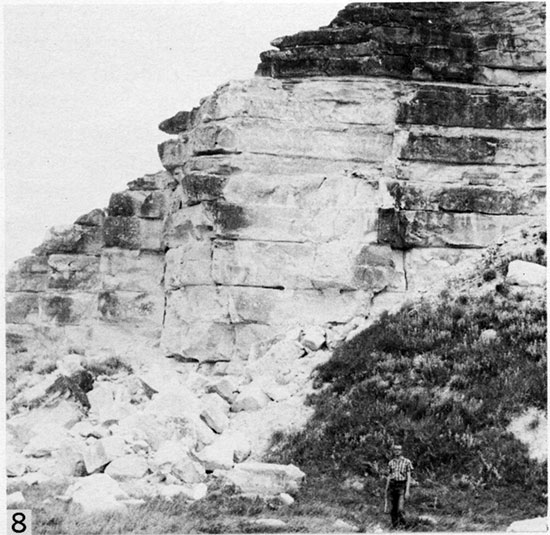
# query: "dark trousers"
[396,497]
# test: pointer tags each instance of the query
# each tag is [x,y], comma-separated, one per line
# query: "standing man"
[397,485]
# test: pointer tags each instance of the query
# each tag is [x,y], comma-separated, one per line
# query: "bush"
[109,366]
[502,289]
[423,378]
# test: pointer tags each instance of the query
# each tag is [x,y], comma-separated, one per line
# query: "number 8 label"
[19,521]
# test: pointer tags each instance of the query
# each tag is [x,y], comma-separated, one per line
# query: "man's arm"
[408,483]
[386,493]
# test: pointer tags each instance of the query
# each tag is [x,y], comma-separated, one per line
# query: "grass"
[321,501]
[110,366]
[221,512]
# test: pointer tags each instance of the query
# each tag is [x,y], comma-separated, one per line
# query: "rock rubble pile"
[166,429]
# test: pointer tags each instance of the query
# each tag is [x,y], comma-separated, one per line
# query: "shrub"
[422,377]
[109,366]
[502,289]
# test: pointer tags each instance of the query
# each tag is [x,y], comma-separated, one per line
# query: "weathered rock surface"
[16,464]
[127,467]
[264,478]
[102,452]
[189,492]
[189,471]
[169,454]
[421,41]
[305,193]
[250,398]
[14,499]
[531,428]
[372,157]
[526,273]
[217,456]
[313,338]
[340,525]
[97,493]
[529,525]
[226,388]
[215,412]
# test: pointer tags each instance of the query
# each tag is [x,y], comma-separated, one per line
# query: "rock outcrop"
[366,159]
[499,43]
[305,201]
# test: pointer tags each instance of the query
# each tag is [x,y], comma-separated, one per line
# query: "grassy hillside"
[430,378]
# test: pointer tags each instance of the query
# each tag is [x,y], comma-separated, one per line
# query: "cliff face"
[499,43]
[397,142]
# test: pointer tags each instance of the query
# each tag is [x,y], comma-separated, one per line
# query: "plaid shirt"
[399,468]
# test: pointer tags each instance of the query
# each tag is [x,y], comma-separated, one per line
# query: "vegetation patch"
[110,366]
[426,377]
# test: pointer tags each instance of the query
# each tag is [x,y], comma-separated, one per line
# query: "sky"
[86,85]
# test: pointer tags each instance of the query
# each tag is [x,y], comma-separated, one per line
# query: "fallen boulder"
[276,392]
[102,452]
[529,525]
[170,453]
[242,447]
[216,456]
[35,394]
[286,499]
[15,498]
[146,427]
[109,403]
[214,413]
[205,435]
[86,429]
[276,362]
[427,520]
[189,471]
[69,457]
[97,493]
[265,478]
[226,388]
[313,338]
[62,414]
[524,273]
[137,390]
[191,492]
[269,523]
[172,460]
[49,439]
[177,402]
[251,398]
[531,428]
[16,464]
[128,467]
[342,526]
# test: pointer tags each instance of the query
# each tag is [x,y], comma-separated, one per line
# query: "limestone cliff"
[366,158]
